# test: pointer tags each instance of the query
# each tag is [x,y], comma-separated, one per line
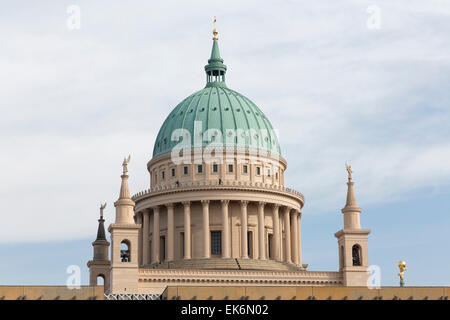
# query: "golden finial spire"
[215,32]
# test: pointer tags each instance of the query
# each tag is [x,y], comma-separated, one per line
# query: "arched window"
[356,255]
[341,257]
[100,280]
[125,251]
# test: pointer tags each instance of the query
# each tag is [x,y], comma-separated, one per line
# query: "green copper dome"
[221,111]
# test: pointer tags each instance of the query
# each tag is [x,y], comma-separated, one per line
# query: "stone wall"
[306,293]
[51,293]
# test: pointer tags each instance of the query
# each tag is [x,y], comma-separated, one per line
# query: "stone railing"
[214,184]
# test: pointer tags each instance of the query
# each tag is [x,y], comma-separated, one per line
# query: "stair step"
[227,264]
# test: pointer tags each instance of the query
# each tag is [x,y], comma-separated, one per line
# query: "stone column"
[187,230]
[287,229]
[206,235]
[299,239]
[276,232]
[261,233]
[225,230]
[170,233]
[294,235]
[139,219]
[145,236]
[244,244]
[156,234]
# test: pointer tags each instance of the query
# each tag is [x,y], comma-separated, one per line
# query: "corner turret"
[100,265]
[353,241]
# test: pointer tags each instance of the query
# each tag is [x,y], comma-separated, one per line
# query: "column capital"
[146,211]
[139,216]
[261,203]
[225,202]
[244,202]
[155,208]
[186,203]
[275,206]
[287,209]
[205,202]
[169,205]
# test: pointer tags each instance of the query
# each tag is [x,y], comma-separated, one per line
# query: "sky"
[358,81]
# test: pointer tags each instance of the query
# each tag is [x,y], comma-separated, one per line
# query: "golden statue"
[215,32]
[402,267]
[349,170]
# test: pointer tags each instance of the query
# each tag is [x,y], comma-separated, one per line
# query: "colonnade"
[291,241]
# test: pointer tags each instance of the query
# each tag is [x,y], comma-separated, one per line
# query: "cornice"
[214,185]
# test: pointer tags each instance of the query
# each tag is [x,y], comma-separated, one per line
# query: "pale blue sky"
[75,102]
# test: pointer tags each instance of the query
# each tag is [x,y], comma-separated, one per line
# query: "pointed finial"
[125,163]
[215,32]
[349,170]
[102,207]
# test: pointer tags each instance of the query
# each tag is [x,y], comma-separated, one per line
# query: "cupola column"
[276,232]
[294,236]
[155,242]
[261,235]
[138,218]
[145,236]
[287,230]
[170,232]
[225,229]
[244,242]
[299,238]
[206,235]
[187,230]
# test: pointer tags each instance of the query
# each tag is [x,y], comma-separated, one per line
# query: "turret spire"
[124,205]
[124,190]
[215,69]
[351,210]
[351,200]
[101,224]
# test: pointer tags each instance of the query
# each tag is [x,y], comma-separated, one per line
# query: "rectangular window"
[162,248]
[245,169]
[230,168]
[269,246]
[250,244]
[215,168]
[200,168]
[268,173]
[181,245]
[163,175]
[185,170]
[173,172]
[258,171]
[216,242]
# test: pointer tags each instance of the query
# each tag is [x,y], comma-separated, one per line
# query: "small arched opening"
[356,255]
[100,280]
[125,255]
